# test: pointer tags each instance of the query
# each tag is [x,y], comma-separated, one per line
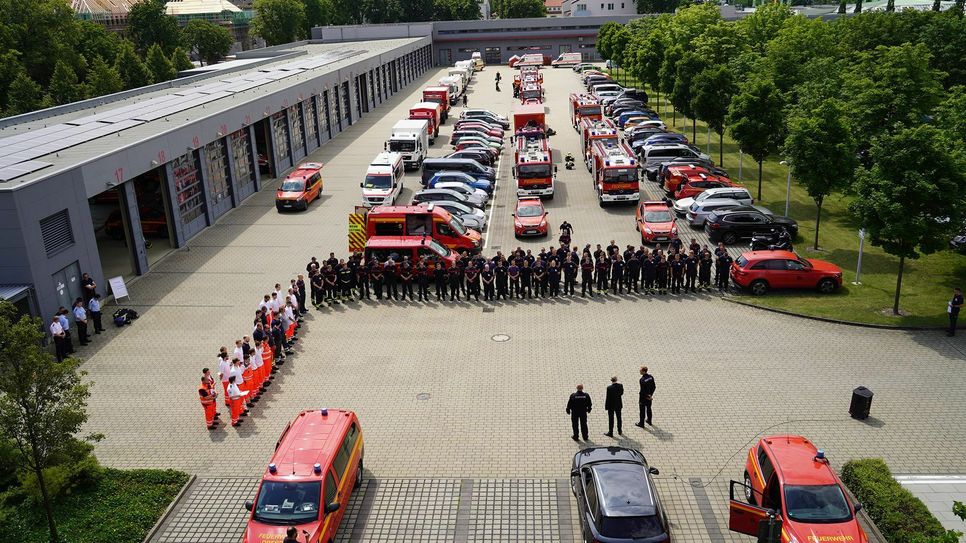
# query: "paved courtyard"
[466,438]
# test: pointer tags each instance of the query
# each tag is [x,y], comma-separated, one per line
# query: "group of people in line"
[579,406]
[248,369]
[86,314]
[521,274]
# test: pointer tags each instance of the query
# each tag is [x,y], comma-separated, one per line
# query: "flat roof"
[66,138]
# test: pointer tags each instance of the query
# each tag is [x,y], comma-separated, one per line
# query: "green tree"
[713,89]
[39,31]
[603,43]
[382,11]
[64,86]
[755,120]
[911,199]
[160,66]
[456,10]
[347,12]
[42,401]
[799,41]
[279,21]
[891,86]
[951,113]
[94,40]
[132,70]
[211,41]
[180,60]
[821,152]
[417,10]
[682,96]
[149,24]
[520,9]
[657,6]
[103,79]
[764,24]
[318,13]
[24,95]
[10,68]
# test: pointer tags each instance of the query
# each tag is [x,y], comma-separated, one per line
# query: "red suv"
[530,218]
[694,185]
[787,476]
[760,271]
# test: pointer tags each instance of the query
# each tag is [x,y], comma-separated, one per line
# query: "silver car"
[463,188]
[698,212]
[431,195]
[718,193]
[470,216]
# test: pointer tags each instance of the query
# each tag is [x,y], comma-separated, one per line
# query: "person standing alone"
[647,396]
[613,404]
[578,407]
[954,306]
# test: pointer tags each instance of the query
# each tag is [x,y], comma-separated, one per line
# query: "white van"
[384,180]
[459,72]
[567,59]
[469,66]
[455,84]
[478,63]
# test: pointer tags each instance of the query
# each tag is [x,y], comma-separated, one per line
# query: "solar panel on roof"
[13,172]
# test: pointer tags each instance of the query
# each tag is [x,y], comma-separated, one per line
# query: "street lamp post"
[741,156]
[858,265]
[788,187]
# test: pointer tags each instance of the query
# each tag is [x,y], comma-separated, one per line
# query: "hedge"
[900,516]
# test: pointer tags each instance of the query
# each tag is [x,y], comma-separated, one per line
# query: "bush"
[900,516]
[73,468]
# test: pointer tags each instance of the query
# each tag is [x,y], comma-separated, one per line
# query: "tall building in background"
[591,8]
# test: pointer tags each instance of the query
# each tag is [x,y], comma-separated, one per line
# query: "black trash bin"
[861,403]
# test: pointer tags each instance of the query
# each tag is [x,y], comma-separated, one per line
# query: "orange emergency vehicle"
[584,106]
[422,220]
[604,131]
[381,248]
[614,171]
[534,171]
[318,461]
[531,93]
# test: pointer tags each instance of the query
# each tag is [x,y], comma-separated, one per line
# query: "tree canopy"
[279,21]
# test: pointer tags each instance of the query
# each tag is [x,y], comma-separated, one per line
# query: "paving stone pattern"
[725,373]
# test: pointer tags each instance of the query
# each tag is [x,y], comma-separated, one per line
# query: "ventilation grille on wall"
[57,232]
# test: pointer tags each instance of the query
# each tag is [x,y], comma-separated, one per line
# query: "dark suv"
[730,225]
[616,498]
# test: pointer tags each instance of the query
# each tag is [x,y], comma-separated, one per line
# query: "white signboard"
[118,288]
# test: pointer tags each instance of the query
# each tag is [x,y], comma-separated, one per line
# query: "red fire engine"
[583,106]
[614,171]
[604,131]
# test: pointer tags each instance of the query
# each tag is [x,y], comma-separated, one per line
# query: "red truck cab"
[531,93]
[422,220]
[604,131]
[614,172]
[381,248]
[318,461]
[440,95]
[432,112]
[584,106]
[789,476]
[534,171]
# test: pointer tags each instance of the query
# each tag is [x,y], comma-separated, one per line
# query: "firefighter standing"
[422,281]
[690,271]
[613,404]
[587,277]
[488,279]
[722,267]
[472,282]
[647,396]
[406,277]
[578,406]
[439,275]
[209,399]
[617,275]
[677,273]
[570,275]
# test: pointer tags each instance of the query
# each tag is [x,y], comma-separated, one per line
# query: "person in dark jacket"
[613,404]
[647,396]
[578,407]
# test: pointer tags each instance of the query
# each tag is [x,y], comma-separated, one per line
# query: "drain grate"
[489,309]
[423,396]
[500,338]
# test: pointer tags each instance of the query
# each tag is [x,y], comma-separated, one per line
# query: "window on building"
[610,7]
[281,135]
[241,154]
[217,162]
[295,124]
[187,187]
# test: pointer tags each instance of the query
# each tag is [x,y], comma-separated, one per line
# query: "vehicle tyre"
[758,287]
[729,238]
[749,493]
[358,481]
[826,286]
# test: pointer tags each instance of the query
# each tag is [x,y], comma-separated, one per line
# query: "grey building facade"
[102,186]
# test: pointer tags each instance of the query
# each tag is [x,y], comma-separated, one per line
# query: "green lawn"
[120,508]
[927,282]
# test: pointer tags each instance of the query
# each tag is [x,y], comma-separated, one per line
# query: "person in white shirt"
[224,372]
[265,303]
[276,303]
[95,307]
[60,342]
[237,401]
[80,317]
[239,351]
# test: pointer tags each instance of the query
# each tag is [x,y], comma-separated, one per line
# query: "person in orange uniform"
[209,380]
[237,398]
[268,361]
[209,401]
[249,385]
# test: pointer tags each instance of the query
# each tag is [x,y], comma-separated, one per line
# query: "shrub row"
[900,516]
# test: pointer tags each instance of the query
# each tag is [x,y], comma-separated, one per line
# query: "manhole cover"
[500,338]
[489,309]
[423,396]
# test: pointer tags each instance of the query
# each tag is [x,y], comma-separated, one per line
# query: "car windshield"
[457,225]
[531,94]
[292,185]
[532,171]
[632,527]
[383,181]
[657,216]
[816,503]
[282,502]
[622,175]
[441,250]
[590,110]
[529,211]
[397,146]
[608,141]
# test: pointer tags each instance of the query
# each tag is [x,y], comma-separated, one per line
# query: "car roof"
[529,201]
[649,204]
[305,170]
[607,454]
[769,255]
[794,457]
[309,439]
[396,242]
[623,489]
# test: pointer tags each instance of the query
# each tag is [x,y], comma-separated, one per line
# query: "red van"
[316,465]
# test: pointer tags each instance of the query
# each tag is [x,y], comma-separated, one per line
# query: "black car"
[637,94]
[729,225]
[616,499]
[626,107]
[481,155]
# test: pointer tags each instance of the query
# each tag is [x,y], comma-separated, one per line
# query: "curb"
[835,321]
[171,507]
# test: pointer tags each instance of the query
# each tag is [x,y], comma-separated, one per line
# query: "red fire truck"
[604,131]
[531,93]
[614,171]
[440,95]
[534,170]
[583,106]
